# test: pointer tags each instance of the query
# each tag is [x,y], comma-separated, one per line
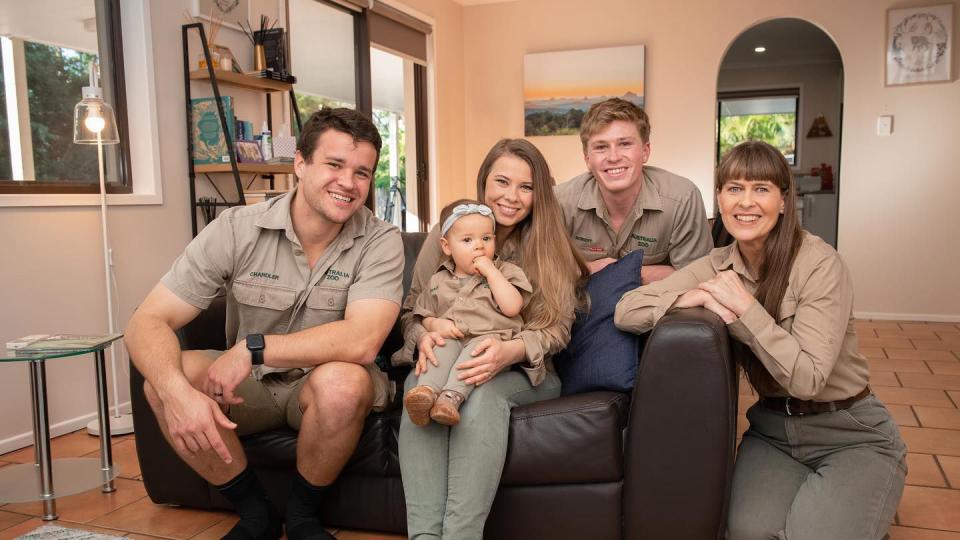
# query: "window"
[373,58]
[768,115]
[46,58]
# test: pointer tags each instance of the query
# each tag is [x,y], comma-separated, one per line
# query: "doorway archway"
[781,81]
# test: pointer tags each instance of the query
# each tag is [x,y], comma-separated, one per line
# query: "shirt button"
[329,301]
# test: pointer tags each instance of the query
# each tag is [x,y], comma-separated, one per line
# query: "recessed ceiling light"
[760,49]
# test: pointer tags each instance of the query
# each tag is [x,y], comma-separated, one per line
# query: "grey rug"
[54,532]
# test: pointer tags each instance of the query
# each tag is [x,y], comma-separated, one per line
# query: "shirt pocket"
[325,304]
[260,295]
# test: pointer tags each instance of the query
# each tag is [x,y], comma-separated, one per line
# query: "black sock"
[257,520]
[303,509]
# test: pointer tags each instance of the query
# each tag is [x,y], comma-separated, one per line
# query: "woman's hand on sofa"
[700,297]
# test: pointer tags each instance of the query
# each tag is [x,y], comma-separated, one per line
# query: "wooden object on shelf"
[243,81]
[259,168]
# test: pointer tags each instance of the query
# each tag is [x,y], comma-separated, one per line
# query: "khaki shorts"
[273,402]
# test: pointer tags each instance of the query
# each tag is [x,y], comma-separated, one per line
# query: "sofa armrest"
[679,446]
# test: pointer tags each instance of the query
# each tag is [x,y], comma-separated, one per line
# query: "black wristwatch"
[256,344]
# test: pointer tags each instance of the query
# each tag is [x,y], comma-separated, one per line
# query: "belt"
[798,407]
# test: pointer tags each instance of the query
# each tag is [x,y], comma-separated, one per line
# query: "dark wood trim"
[363,81]
[45,187]
[423,144]
[110,46]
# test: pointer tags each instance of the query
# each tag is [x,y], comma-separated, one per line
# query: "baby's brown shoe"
[446,410]
[419,401]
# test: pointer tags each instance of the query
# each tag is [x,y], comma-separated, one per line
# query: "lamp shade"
[93,116]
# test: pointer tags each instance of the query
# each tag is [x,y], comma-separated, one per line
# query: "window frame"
[142,164]
[111,62]
[791,90]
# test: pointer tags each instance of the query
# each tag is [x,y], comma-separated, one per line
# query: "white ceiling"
[55,22]
[788,41]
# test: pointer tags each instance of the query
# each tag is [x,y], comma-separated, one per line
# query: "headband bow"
[465,210]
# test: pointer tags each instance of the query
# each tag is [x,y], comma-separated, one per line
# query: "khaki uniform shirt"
[668,221]
[809,351]
[469,302]
[253,253]
[539,345]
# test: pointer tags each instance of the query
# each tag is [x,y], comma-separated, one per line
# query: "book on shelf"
[209,145]
[59,342]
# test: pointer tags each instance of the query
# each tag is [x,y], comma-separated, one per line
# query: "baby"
[470,298]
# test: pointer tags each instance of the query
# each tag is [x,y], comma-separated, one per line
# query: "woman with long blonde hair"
[450,475]
[822,457]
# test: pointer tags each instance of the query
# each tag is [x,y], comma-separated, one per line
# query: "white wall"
[898,212]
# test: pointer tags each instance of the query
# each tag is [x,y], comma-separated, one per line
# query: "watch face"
[255,342]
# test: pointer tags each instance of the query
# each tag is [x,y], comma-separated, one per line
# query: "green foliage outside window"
[55,77]
[777,129]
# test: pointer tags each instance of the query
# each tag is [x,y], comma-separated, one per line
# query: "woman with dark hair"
[450,475]
[822,458]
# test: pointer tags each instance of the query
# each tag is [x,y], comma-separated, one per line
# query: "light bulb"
[95,123]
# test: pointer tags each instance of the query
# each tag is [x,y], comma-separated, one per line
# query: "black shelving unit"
[248,82]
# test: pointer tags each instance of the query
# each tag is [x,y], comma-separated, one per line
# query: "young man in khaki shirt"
[620,205]
[313,282]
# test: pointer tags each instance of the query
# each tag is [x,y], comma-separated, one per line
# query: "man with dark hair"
[620,205]
[313,284]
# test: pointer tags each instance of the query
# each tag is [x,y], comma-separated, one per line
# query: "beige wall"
[898,213]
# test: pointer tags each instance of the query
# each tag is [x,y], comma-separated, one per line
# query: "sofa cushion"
[600,356]
[571,440]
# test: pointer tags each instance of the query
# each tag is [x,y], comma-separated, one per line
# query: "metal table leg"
[39,380]
[36,416]
[103,414]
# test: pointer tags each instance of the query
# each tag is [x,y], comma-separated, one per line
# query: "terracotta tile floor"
[916,371]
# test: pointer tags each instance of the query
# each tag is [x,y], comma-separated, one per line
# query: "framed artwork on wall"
[919,45]
[559,87]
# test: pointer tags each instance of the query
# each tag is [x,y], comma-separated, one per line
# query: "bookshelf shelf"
[242,81]
[259,168]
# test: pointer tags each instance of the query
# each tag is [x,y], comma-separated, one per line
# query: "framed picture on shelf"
[249,152]
[919,44]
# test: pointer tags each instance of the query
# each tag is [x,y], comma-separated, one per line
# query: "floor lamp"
[95,124]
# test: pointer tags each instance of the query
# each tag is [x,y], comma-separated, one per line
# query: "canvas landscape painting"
[559,87]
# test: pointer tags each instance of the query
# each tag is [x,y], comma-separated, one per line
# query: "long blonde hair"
[549,257]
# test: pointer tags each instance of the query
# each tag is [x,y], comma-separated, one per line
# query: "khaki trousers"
[829,476]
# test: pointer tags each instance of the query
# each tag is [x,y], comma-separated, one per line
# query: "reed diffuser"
[256,38]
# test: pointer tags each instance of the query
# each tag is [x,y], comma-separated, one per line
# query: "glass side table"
[35,481]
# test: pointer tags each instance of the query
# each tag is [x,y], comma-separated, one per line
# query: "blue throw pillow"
[600,356]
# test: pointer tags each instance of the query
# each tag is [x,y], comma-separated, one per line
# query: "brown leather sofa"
[602,465]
